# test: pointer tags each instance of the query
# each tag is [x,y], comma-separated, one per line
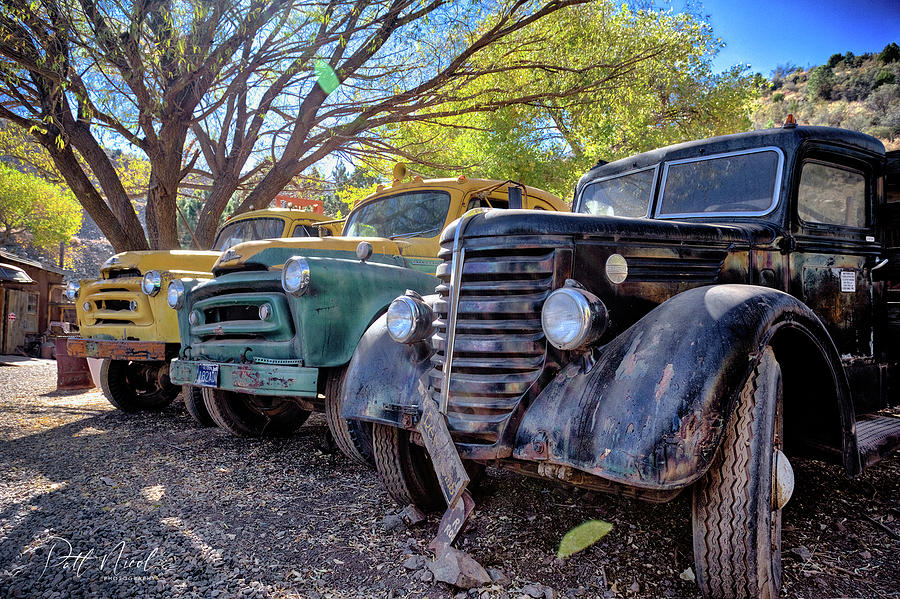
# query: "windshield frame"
[655,168]
[346,233]
[776,188]
[284,223]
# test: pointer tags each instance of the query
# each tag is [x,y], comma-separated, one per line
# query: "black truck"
[711,310]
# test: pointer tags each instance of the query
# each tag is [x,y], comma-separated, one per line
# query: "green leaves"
[583,536]
[36,212]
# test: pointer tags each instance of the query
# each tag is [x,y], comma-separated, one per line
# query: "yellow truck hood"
[247,250]
[180,263]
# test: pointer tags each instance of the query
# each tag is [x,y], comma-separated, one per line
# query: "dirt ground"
[97,503]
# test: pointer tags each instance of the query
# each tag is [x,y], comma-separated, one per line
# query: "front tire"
[353,437]
[195,406]
[137,386]
[247,415]
[737,530]
[404,468]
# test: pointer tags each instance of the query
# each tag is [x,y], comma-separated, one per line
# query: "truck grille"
[111,301]
[229,309]
[499,348]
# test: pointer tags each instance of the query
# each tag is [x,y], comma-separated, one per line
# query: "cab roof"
[787,139]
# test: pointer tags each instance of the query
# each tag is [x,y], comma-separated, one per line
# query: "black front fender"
[649,412]
[384,378]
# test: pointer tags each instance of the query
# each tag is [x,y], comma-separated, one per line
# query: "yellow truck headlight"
[152,282]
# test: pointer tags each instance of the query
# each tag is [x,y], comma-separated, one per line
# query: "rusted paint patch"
[137,351]
[663,385]
[248,377]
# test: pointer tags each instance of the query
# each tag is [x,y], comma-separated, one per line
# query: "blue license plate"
[207,375]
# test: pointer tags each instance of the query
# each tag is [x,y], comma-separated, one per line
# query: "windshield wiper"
[416,233]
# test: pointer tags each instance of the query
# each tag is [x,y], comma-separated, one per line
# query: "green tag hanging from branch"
[582,536]
[326,76]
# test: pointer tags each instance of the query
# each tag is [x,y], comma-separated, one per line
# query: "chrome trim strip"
[456,268]
[776,190]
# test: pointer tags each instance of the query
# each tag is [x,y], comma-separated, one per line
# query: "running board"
[876,437]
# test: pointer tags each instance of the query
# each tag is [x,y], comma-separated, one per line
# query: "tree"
[35,212]
[820,83]
[654,87]
[891,53]
[252,90]
[73,72]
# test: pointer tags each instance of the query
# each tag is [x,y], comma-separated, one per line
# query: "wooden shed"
[32,303]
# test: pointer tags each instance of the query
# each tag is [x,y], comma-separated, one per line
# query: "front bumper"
[257,379]
[137,351]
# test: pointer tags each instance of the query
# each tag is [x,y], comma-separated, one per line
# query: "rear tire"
[195,406]
[405,469]
[737,531]
[353,437]
[247,415]
[137,386]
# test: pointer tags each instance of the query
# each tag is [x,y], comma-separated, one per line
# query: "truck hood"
[176,262]
[275,252]
[496,223]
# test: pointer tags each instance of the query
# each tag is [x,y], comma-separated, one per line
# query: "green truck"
[269,337]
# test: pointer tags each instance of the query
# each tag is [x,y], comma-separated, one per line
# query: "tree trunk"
[222,190]
[90,199]
[266,190]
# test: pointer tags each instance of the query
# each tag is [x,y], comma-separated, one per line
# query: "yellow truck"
[124,320]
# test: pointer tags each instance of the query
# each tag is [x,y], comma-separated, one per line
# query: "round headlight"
[175,294]
[265,312]
[152,282]
[295,276]
[86,306]
[409,318]
[572,318]
[72,289]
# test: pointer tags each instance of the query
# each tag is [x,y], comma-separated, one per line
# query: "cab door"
[835,246]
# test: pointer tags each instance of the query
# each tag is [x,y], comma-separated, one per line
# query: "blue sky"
[766,33]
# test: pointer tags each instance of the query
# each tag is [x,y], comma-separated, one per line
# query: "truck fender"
[649,409]
[385,380]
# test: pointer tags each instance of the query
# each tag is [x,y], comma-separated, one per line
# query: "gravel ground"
[97,503]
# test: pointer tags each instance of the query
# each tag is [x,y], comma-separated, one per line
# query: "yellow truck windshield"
[416,214]
[248,229]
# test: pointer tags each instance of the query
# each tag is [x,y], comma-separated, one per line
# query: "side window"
[487,203]
[832,195]
[303,231]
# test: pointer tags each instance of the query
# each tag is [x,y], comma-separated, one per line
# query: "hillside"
[854,92]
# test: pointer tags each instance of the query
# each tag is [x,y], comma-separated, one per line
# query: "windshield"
[248,229]
[625,195]
[417,214]
[742,183]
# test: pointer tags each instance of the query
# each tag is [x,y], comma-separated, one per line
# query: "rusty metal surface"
[384,378]
[649,413]
[452,523]
[137,351]
[71,371]
[451,474]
